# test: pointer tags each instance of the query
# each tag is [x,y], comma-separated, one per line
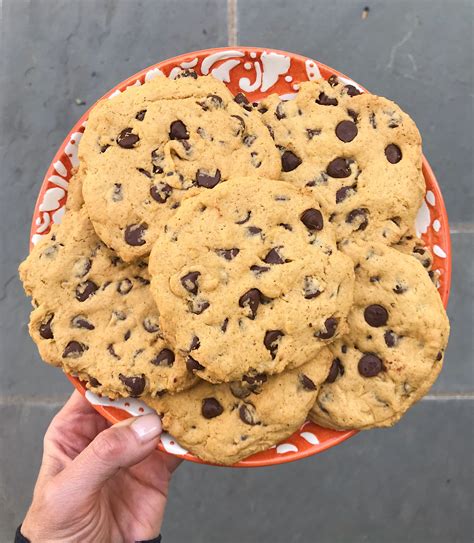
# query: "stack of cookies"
[243,267]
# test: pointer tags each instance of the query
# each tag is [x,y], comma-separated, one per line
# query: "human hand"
[99,483]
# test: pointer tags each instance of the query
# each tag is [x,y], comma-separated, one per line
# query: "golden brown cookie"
[150,147]
[393,352]
[359,153]
[225,423]
[94,315]
[248,279]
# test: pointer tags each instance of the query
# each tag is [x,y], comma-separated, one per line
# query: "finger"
[120,446]
[62,430]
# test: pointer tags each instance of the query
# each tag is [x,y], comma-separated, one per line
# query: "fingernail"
[147,427]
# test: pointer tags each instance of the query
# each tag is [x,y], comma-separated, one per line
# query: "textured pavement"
[412,483]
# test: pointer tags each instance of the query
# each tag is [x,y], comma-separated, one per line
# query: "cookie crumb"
[365,13]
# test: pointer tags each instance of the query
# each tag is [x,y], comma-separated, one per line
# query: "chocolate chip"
[136,385]
[164,358]
[289,161]
[178,131]
[262,109]
[279,113]
[195,344]
[439,356]
[228,254]
[82,267]
[104,148]
[45,328]
[254,230]
[193,365]
[94,382]
[245,219]
[211,102]
[111,350]
[140,115]
[255,381]
[249,140]
[400,289]
[325,100]
[248,414]
[141,280]
[374,279]
[74,349]
[189,282]
[240,127]
[286,226]
[144,172]
[370,365]
[376,315]
[127,335]
[124,286]
[257,270]
[330,326]
[346,131]
[241,99]
[224,325]
[358,215]
[207,181]
[126,139]
[336,369]
[79,321]
[390,338]
[312,219]
[134,234]
[211,408]
[151,325]
[393,153]
[252,299]
[273,257]
[160,193]
[307,383]
[353,115]
[342,194]
[339,168]
[271,341]
[85,290]
[311,132]
[344,349]
[373,120]
[117,194]
[187,73]
[119,315]
[310,288]
[333,80]
[351,90]
[199,306]
[239,390]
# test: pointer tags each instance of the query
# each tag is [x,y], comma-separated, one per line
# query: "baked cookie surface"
[227,422]
[150,147]
[94,314]
[359,153]
[248,279]
[393,352]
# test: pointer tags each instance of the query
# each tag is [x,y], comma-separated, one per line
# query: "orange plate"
[256,72]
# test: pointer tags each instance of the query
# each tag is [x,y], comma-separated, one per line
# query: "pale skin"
[99,483]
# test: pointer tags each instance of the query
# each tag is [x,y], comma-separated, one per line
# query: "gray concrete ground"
[413,483]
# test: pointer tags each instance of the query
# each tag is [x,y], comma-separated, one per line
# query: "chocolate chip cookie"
[359,153]
[227,422]
[393,353]
[412,245]
[94,315]
[248,279]
[153,145]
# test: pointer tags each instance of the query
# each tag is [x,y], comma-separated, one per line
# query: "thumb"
[120,446]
